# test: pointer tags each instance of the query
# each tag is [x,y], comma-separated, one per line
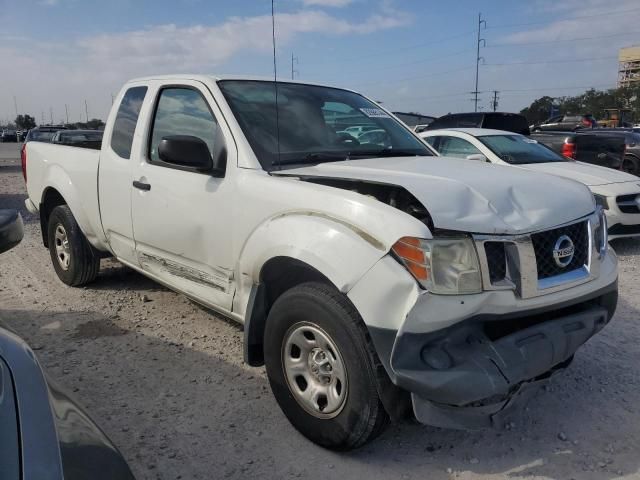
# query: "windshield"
[315,124]
[517,149]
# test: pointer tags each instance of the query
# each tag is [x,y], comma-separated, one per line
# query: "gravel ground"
[165,379]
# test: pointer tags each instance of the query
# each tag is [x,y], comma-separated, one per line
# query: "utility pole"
[42,112]
[86,110]
[481,41]
[494,103]
[293,70]
[66,110]
[51,115]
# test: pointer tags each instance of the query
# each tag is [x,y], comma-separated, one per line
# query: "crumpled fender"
[339,250]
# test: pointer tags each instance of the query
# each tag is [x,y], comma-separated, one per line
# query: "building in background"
[629,66]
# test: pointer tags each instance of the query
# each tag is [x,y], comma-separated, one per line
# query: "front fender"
[340,251]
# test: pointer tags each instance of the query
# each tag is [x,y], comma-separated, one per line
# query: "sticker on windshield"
[374,113]
[530,140]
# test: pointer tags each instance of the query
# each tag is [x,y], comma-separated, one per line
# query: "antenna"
[275,75]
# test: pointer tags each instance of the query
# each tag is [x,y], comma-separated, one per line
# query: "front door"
[182,217]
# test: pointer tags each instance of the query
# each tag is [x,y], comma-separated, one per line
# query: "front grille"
[496,261]
[627,203]
[544,244]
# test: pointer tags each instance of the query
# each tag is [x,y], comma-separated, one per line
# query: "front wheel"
[322,367]
[75,261]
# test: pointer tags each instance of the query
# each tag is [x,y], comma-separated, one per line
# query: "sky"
[412,55]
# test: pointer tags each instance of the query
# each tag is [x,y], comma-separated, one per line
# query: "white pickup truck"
[371,278]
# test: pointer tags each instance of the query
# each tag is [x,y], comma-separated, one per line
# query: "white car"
[371,280]
[617,192]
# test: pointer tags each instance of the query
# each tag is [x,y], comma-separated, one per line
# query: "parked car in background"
[604,150]
[632,147]
[358,130]
[8,136]
[44,434]
[513,122]
[79,138]
[43,133]
[569,123]
[593,147]
[372,281]
[617,192]
[416,121]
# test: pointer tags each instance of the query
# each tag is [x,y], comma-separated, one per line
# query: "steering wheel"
[346,139]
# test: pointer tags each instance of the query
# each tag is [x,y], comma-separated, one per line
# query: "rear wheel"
[631,165]
[74,259]
[321,367]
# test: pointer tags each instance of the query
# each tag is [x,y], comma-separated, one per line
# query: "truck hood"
[470,196]
[588,174]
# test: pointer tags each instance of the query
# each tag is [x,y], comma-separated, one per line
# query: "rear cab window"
[124,126]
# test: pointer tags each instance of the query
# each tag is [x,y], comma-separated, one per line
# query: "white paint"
[210,237]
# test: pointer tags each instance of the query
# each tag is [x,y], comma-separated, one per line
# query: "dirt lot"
[165,379]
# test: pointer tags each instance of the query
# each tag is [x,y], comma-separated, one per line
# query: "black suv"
[511,122]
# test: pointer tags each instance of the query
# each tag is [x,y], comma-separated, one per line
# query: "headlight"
[600,235]
[601,201]
[446,266]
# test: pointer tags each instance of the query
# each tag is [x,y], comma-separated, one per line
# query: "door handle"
[141,185]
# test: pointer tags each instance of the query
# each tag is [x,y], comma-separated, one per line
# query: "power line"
[416,77]
[571,60]
[568,19]
[546,42]
[294,71]
[494,102]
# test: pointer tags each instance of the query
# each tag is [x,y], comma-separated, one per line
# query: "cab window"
[456,147]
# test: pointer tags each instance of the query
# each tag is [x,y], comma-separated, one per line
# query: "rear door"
[114,174]
[182,218]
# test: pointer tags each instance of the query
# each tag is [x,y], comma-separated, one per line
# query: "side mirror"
[185,151]
[11,229]
[478,157]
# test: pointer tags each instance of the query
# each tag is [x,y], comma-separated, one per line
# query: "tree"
[25,122]
[539,110]
[592,101]
[93,124]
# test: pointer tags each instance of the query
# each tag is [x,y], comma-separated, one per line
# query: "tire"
[631,165]
[75,261]
[324,313]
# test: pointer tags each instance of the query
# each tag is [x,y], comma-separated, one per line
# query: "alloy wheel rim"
[314,370]
[63,249]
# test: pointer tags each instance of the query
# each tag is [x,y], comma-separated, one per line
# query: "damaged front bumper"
[470,361]
[476,375]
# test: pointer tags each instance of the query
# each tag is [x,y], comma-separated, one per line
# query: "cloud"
[327,3]
[582,19]
[198,46]
[95,67]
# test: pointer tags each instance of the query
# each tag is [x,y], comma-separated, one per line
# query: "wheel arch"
[51,198]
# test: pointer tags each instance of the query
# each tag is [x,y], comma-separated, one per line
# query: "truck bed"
[52,166]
